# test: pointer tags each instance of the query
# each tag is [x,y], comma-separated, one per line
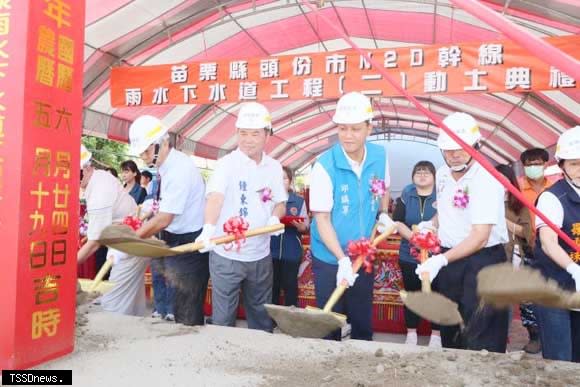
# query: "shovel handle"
[339,291]
[101,274]
[425,280]
[384,235]
[191,247]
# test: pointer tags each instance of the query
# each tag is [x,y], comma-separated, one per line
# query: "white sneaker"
[156,314]
[170,317]
[411,339]
[345,331]
[435,342]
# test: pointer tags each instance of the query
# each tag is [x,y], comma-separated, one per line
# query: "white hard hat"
[85,156]
[253,115]
[464,126]
[144,131]
[568,147]
[353,108]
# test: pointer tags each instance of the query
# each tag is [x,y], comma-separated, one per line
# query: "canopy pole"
[472,152]
[537,46]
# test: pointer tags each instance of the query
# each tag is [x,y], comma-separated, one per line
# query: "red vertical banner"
[41,69]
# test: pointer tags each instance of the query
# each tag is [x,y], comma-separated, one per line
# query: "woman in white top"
[108,203]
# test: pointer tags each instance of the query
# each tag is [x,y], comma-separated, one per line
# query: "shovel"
[501,285]
[431,306]
[97,284]
[313,322]
[123,238]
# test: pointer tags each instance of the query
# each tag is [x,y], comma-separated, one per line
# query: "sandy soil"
[115,350]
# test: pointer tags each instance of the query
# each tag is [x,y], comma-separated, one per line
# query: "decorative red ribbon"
[236,226]
[364,249]
[133,222]
[424,241]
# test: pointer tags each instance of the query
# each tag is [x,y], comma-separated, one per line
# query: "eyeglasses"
[423,173]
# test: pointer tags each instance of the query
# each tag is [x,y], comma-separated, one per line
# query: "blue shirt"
[354,211]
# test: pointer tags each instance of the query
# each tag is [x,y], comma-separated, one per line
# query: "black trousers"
[356,303]
[412,283]
[485,327]
[285,278]
[189,279]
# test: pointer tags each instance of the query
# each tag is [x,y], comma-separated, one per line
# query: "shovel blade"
[309,323]
[123,238]
[433,307]
[501,285]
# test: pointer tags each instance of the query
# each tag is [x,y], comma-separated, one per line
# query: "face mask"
[459,168]
[534,172]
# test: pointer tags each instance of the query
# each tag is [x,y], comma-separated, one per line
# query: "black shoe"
[208,321]
[533,347]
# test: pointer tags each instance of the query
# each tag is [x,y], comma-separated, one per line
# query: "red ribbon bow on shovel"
[236,226]
[364,249]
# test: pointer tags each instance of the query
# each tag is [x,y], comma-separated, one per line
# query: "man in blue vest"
[345,209]
[560,328]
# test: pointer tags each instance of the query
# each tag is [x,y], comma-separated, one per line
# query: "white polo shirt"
[240,180]
[107,203]
[321,187]
[486,206]
[182,193]
[549,205]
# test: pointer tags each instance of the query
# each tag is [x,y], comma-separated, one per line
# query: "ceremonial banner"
[439,69]
[41,69]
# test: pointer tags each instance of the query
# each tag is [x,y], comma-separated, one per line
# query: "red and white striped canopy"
[147,32]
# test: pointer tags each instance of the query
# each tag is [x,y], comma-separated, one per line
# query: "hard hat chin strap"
[155,156]
[570,180]
[462,167]
[457,168]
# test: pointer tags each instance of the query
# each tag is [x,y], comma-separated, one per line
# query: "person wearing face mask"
[556,260]
[179,219]
[472,229]
[519,249]
[345,210]
[249,184]
[533,183]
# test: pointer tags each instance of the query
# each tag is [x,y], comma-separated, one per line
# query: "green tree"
[107,152]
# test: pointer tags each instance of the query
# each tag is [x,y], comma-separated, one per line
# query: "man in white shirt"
[345,210]
[237,187]
[108,203]
[472,230]
[180,216]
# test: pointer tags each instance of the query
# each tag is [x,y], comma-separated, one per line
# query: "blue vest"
[138,193]
[571,204]
[290,247]
[354,212]
[410,198]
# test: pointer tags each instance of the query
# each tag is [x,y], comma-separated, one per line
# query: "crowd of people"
[478,222]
